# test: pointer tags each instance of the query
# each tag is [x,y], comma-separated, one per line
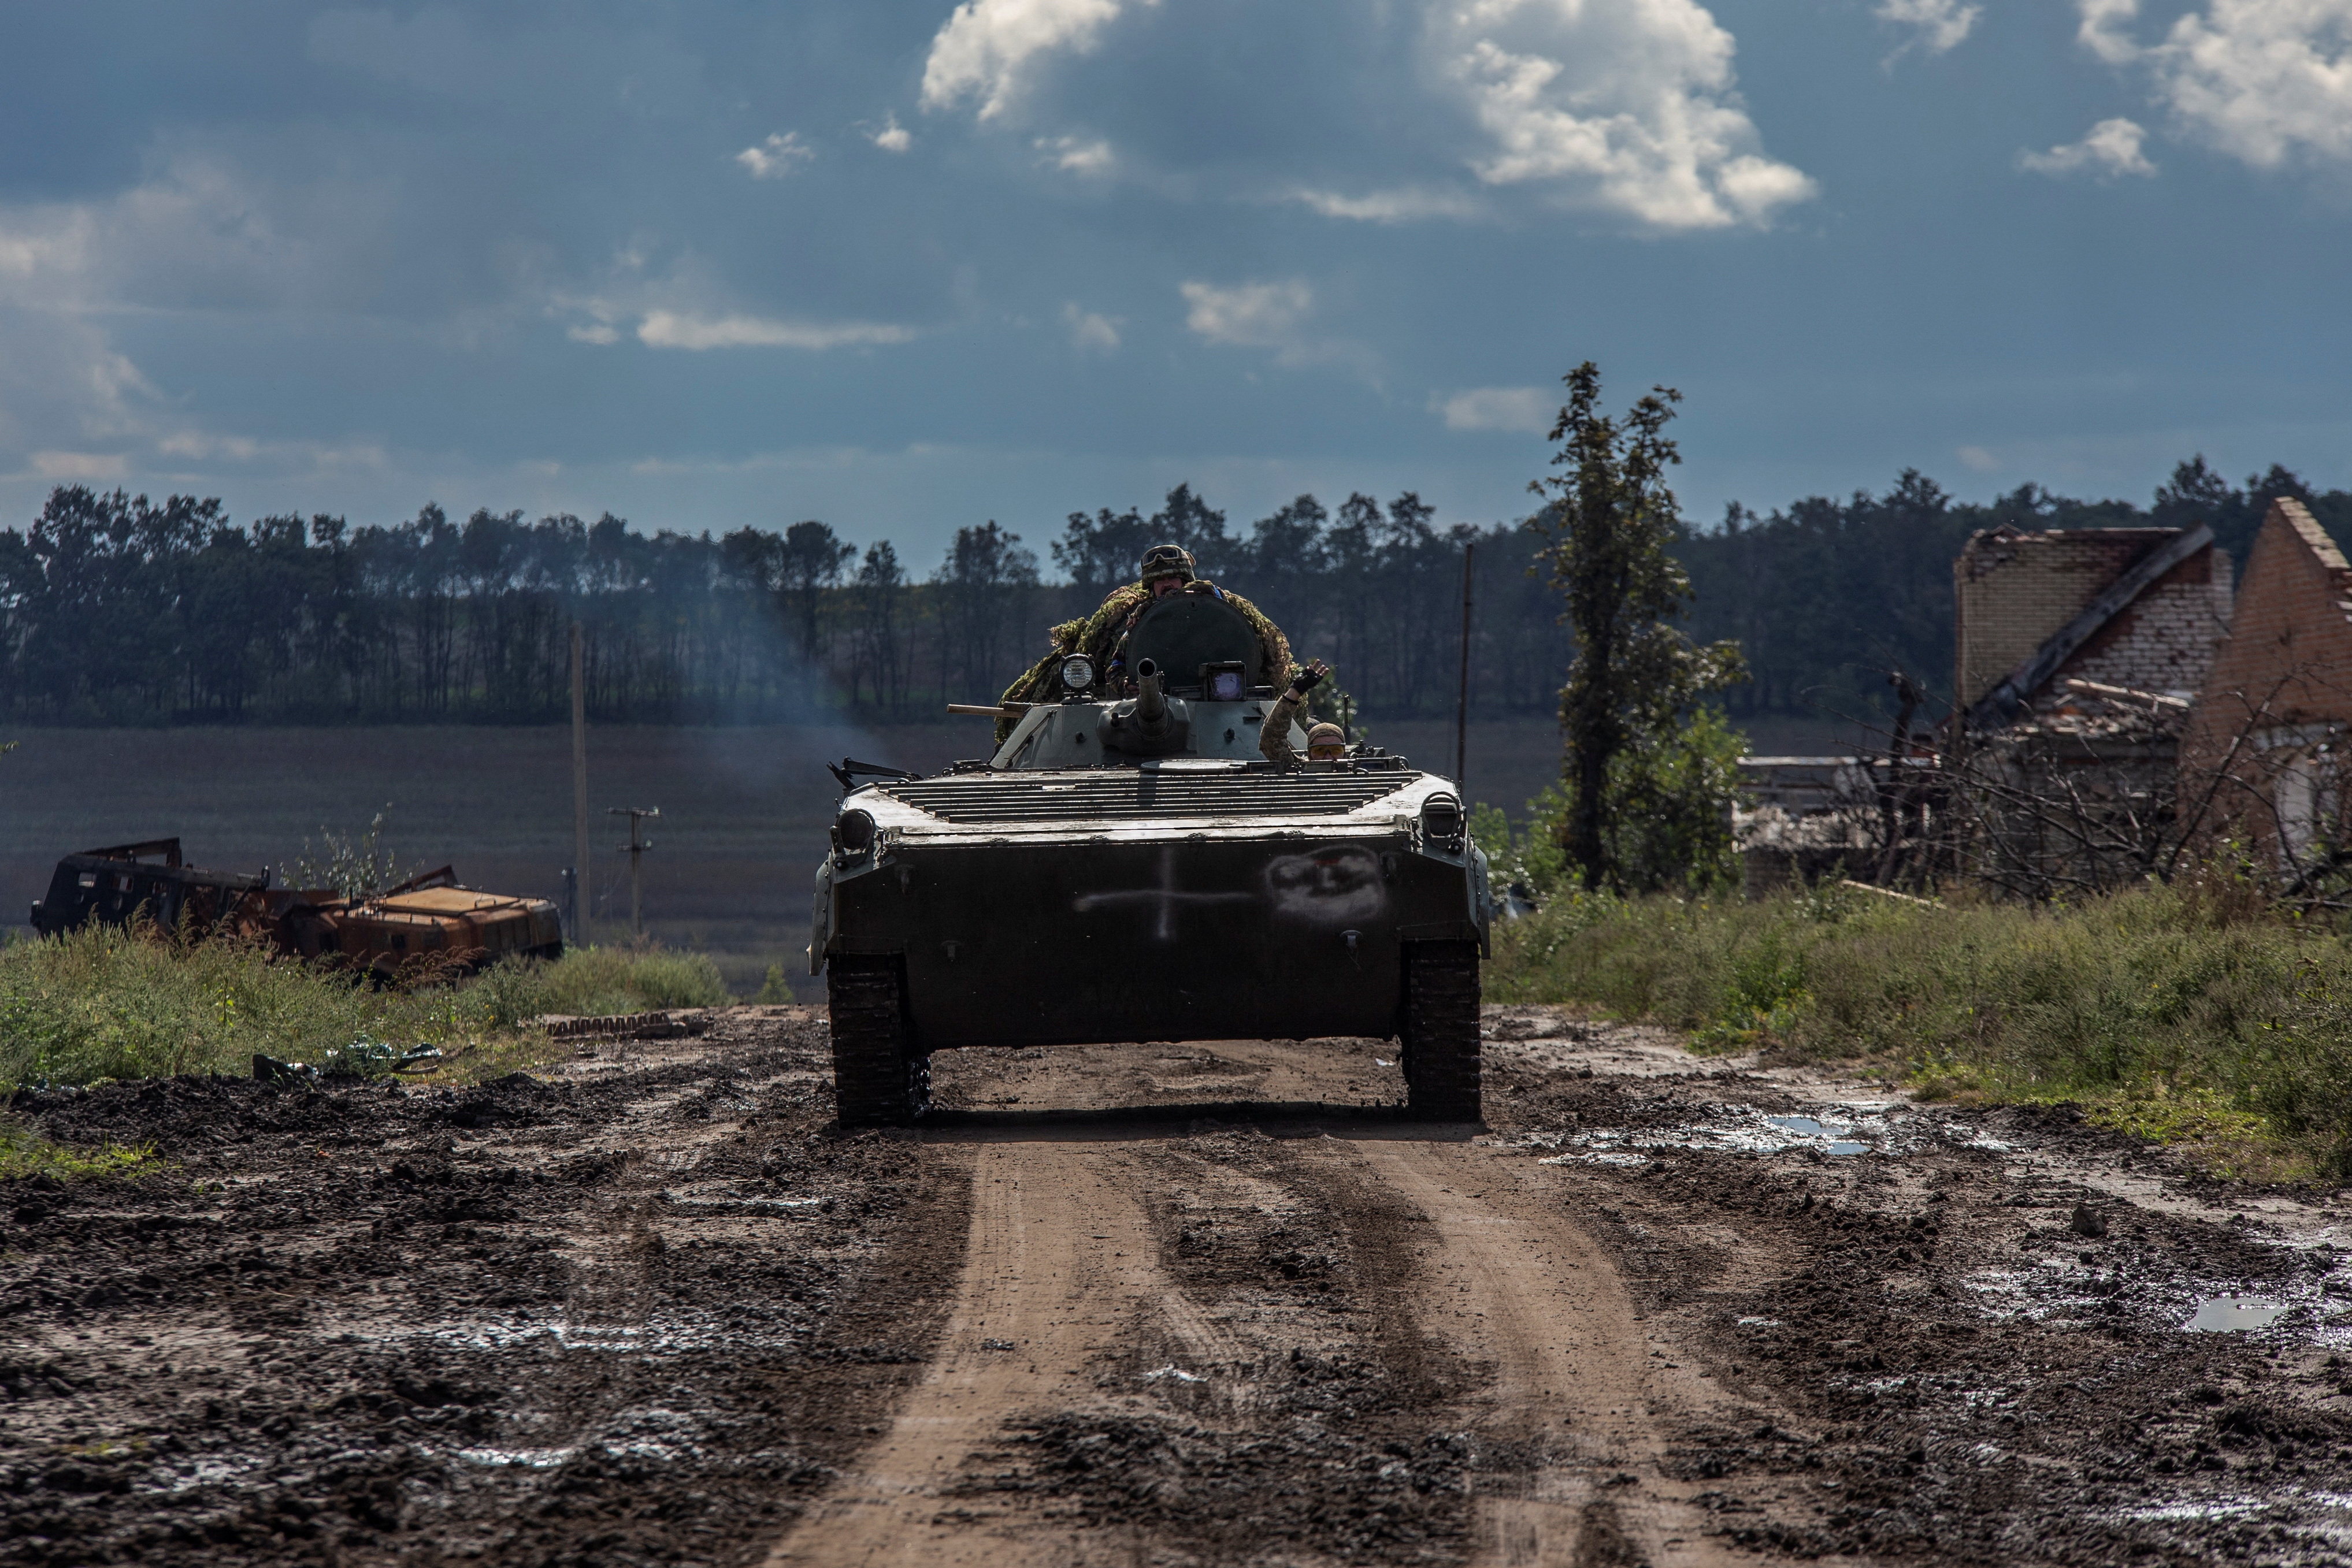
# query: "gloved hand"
[1305,681]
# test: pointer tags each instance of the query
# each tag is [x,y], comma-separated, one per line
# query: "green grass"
[25,1153]
[2163,1011]
[101,1004]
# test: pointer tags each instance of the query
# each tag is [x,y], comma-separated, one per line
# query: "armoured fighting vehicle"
[1126,867]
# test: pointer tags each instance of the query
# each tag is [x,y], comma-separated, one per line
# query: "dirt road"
[1167,1305]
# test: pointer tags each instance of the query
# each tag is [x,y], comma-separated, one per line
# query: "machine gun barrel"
[1151,698]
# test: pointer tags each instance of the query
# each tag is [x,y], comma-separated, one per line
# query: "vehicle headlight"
[1077,672]
[1441,822]
[853,832]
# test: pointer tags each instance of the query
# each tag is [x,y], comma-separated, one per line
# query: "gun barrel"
[1152,700]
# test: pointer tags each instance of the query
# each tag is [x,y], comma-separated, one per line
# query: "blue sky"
[905,267]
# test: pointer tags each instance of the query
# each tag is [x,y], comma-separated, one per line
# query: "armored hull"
[1171,901]
[1180,899]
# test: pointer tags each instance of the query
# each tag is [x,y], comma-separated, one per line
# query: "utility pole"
[1462,704]
[636,851]
[580,905]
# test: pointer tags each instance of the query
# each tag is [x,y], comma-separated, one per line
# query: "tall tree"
[881,585]
[1609,520]
[811,561]
[984,584]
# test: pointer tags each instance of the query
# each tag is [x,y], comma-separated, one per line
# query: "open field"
[1200,1304]
[744,810]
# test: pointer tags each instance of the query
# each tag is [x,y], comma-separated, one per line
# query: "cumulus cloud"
[1526,409]
[2111,149]
[1078,155]
[987,46]
[1404,203]
[893,137]
[1089,331]
[1938,26]
[85,467]
[1628,107]
[679,329]
[1248,315]
[2261,80]
[777,156]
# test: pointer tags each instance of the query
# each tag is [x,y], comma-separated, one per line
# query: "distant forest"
[117,611]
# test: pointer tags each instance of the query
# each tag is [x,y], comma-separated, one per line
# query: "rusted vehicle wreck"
[428,920]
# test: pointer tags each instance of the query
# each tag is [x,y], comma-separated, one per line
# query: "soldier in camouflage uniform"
[1102,636]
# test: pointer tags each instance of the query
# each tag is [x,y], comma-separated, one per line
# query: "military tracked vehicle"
[1126,867]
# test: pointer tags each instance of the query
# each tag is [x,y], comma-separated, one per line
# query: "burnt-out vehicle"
[151,880]
[1128,868]
[427,924]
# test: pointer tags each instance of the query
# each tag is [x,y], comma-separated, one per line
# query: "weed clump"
[104,1002]
[2160,1012]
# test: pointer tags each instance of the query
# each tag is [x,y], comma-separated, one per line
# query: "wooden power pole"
[579,791]
[1461,703]
[636,847]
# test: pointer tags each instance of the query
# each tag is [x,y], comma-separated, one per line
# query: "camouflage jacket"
[1102,637]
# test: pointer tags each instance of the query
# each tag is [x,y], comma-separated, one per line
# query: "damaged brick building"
[2077,656]
[2140,609]
[2263,755]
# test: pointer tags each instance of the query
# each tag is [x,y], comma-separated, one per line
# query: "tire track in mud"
[1058,1261]
[1507,1282]
[1484,1323]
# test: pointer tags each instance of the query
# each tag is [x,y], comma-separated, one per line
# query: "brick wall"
[2282,681]
[2015,591]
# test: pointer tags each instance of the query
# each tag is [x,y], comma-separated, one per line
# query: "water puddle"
[528,1459]
[1734,1130]
[2233,1314]
[1806,1128]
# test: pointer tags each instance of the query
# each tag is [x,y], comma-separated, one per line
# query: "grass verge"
[2161,1011]
[101,1003]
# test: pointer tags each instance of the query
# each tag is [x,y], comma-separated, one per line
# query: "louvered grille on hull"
[1135,792]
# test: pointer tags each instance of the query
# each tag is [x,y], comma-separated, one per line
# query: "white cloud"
[1075,155]
[312,457]
[1939,25]
[1090,331]
[2112,148]
[1403,205]
[598,332]
[1249,315]
[986,45]
[1527,409]
[2261,80]
[1979,459]
[66,467]
[777,156]
[677,330]
[1628,107]
[893,137]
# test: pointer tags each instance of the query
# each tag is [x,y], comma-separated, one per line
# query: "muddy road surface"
[1165,1306]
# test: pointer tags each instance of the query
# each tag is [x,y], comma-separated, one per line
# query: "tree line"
[117,609]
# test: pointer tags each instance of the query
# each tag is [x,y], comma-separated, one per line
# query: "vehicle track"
[1511,1283]
[1060,1258]
[1063,1269]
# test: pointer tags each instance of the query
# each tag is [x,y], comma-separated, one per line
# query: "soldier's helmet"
[1326,739]
[1167,560]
